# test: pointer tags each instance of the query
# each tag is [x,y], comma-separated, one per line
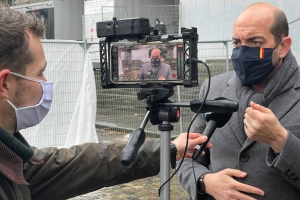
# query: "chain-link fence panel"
[215,55]
[294,33]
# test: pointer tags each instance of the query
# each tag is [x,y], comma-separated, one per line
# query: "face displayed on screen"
[147,62]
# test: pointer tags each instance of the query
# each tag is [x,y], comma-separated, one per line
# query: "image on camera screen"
[147,62]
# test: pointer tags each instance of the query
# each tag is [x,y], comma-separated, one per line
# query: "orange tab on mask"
[262,53]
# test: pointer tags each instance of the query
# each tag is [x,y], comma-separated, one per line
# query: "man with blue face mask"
[25,99]
[255,155]
[32,115]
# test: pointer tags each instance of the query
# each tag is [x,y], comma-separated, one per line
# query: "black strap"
[173,151]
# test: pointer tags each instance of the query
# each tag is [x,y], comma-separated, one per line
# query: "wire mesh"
[294,34]
[126,112]
[214,54]
[118,110]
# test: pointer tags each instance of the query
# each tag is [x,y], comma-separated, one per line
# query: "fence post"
[227,54]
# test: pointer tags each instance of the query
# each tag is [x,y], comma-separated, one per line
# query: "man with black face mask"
[256,154]
[156,69]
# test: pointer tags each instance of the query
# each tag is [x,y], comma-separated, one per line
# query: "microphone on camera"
[150,74]
[215,120]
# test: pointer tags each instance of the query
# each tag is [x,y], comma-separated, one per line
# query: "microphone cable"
[208,87]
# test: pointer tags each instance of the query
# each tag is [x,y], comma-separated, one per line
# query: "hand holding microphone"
[215,120]
[193,140]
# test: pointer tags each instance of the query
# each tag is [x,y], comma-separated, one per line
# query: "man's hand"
[162,78]
[262,125]
[194,139]
[222,185]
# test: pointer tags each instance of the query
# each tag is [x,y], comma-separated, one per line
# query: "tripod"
[162,111]
[161,116]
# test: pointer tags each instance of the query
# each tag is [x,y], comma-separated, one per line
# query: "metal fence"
[119,111]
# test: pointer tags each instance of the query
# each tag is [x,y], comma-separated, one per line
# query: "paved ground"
[141,189]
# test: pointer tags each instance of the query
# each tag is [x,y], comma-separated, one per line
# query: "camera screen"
[147,62]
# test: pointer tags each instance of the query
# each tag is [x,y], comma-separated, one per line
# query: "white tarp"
[82,126]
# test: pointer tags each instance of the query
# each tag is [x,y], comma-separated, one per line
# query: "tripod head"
[154,99]
[156,113]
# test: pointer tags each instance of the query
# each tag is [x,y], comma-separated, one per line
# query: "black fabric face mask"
[252,64]
[155,62]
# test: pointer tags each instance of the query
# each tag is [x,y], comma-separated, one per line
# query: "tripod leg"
[165,134]
[145,120]
[136,140]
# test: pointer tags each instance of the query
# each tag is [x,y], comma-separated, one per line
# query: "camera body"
[129,64]
[123,28]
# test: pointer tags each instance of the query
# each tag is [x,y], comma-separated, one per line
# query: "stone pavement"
[142,189]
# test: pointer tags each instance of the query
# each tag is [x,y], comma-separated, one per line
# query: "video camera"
[127,64]
[133,64]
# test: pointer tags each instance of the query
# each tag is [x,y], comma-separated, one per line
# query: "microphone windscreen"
[221,119]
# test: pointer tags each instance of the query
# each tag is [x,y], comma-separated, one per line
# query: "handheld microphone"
[219,105]
[150,74]
[215,120]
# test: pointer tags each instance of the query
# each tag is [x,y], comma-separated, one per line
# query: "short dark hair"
[14,48]
[280,27]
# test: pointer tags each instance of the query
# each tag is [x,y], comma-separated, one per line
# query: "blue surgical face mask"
[32,115]
[252,64]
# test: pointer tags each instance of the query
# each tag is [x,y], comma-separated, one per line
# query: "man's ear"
[4,83]
[285,46]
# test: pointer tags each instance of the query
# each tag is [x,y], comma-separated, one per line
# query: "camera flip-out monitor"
[131,63]
[126,60]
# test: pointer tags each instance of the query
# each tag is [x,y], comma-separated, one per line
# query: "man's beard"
[18,100]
